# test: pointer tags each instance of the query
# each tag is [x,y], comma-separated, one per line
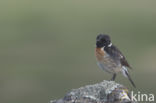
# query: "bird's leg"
[113,78]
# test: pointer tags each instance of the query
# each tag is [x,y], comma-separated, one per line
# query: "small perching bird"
[110,59]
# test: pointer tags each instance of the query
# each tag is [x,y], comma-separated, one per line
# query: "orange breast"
[99,53]
[107,63]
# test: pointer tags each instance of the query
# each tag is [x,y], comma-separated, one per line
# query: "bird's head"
[103,40]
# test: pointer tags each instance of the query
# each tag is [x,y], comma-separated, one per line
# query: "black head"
[102,40]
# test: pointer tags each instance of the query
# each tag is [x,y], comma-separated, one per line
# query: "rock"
[104,92]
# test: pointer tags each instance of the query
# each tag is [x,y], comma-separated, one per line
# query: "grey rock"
[104,92]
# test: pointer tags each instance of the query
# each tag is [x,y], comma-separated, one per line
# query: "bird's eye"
[104,40]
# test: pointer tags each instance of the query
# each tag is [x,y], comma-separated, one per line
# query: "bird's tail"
[126,74]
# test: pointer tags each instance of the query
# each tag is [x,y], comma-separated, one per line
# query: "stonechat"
[110,59]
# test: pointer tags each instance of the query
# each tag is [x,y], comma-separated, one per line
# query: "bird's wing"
[125,63]
[116,54]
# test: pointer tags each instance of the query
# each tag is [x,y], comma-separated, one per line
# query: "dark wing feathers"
[115,53]
[125,63]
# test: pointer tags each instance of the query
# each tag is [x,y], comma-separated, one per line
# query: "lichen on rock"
[104,92]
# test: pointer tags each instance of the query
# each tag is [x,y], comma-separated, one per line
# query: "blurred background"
[47,47]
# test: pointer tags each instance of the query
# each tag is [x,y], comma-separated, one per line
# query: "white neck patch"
[110,45]
[102,48]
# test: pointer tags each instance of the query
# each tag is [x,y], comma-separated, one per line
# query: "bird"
[110,59]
